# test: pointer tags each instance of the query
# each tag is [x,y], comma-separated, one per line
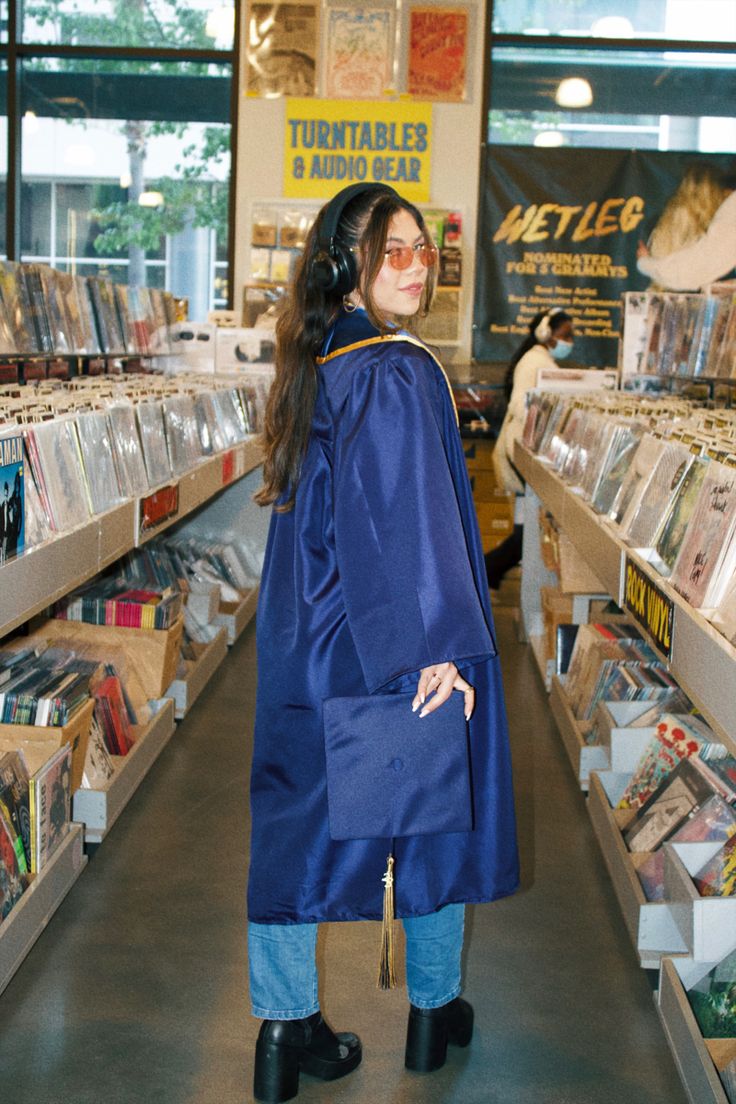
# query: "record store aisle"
[136,993]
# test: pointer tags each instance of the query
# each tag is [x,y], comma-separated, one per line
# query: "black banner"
[652,608]
[560,228]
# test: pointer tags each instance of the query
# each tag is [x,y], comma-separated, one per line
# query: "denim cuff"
[437,1003]
[284,1013]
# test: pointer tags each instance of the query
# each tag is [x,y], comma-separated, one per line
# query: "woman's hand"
[440,680]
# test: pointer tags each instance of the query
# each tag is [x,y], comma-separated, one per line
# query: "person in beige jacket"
[550,340]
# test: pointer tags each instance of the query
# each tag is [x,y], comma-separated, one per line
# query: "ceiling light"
[574,92]
[125,180]
[612,26]
[30,120]
[550,138]
[151,199]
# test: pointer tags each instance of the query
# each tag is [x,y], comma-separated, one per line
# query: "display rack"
[185,691]
[651,925]
[198,486]
[223,486]
[584,758]
[22,927]
[703,662]
[235,617]
[98,809]
[699,931]
[44,574]
[694,1061]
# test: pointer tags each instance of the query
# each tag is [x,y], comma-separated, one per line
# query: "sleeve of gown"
[408,585]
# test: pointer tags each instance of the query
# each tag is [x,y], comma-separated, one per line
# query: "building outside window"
[125,137]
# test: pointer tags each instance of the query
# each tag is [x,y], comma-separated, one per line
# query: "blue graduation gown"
[375,573]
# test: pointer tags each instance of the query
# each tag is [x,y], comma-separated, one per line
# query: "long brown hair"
[303,324]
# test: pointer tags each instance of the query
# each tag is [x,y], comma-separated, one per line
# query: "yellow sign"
[652,608]
[332,143]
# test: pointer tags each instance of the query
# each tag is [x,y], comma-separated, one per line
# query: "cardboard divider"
[39,742]
[152,653]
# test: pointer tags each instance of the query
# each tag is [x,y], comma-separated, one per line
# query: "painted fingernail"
[421,698]
[415,706]
[423,714]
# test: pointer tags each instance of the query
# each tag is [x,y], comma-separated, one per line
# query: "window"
[615,98]
[125,146]
[693,20]
[177,24]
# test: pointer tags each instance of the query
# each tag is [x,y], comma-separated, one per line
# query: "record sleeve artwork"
[282,49]
[12,499]
[438,42]
[359,52]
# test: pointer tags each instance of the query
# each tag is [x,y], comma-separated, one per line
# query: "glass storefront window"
[183,24]
[683,20]
[116,171]
[612,98]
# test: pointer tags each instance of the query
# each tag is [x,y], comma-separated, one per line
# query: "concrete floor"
[136,993]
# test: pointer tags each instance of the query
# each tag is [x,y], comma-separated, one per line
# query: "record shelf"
[26,921]
[694,1057]
[185,691]
[215,497]
[584,757]
[698,931]
[703,662]
[98,809]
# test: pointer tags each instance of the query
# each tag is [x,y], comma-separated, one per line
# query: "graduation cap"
[391,773]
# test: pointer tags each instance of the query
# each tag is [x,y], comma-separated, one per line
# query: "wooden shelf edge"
[99,809]
[25,923]
[694,1063]
[185,691]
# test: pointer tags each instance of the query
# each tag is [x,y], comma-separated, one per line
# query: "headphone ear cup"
[347,270]
[335,271]
[543,331]
[324,271]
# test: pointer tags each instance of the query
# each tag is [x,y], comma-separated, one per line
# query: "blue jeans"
[283,969]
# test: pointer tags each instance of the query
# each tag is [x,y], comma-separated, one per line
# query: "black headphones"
[334,268]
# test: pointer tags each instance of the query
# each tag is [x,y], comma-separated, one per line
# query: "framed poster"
[438,48]
[359,47]
[282,49]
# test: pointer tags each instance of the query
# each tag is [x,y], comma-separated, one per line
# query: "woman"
[550,340]
[683,252]
[372,583]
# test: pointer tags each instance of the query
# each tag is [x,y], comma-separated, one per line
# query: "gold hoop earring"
[348,305]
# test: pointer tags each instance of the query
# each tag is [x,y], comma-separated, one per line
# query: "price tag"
[158,507]
[233,465]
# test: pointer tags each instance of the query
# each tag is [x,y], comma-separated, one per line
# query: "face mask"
[561,350]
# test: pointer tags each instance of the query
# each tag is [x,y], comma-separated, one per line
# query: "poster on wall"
[438,45]
[282,49]
[560,228]
[358,52]
[332,143]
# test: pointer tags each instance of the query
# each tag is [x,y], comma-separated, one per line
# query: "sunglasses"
[402,256]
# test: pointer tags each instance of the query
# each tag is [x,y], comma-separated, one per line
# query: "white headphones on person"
[543,332]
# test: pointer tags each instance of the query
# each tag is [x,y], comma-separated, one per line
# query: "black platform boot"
[285,1047]
[431,1029]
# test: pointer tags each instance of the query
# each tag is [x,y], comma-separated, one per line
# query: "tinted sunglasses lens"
[401,257]
[429,256]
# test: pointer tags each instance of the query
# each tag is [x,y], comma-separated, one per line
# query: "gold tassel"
[386,969]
